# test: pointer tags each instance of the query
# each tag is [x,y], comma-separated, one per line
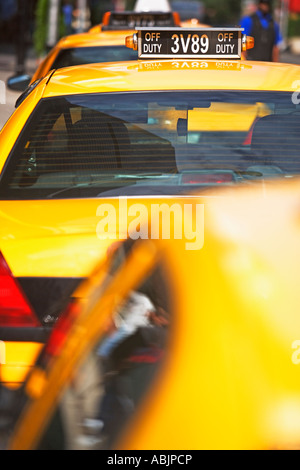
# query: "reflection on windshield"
[114,144]
[105,393]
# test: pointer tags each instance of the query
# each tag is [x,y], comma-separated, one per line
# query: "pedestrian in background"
[265,31]
[67,9]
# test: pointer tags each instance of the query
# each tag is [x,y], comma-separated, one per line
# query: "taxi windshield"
[93,54]
[152,143]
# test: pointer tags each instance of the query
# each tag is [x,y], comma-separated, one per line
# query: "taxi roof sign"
[188,43]
[131,20]
[148,5]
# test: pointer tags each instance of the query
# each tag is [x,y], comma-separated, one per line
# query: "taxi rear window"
[90,55]
[115,144]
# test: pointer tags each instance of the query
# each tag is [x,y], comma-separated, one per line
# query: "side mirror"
[18,82]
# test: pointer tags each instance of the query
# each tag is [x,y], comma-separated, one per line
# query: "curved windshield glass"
[90,55]
[113,144]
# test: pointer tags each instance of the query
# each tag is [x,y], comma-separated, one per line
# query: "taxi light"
[176,17]
[131,42]
[247,43]
[15,310]
[218,178]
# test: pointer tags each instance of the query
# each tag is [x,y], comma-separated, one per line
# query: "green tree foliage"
[130,4]
[294,25]
[223,12]
[41,27]
[40,30]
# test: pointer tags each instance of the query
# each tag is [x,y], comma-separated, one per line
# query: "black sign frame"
[189,43]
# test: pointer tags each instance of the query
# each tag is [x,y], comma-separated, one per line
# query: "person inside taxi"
[133,364]
[130,356]
[266,32]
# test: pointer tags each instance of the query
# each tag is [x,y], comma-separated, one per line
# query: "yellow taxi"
[90,149]
[211,360]
[134,19]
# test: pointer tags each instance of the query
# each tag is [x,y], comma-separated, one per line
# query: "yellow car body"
[44,238]
[230,375]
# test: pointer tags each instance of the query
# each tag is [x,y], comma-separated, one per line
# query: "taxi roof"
[101,38]
[150,75]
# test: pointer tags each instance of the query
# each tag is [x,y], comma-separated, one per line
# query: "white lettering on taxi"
[224,48]
[151,48]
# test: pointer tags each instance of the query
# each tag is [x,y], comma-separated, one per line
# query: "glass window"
[95,54]
[105,393]
[115,144]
